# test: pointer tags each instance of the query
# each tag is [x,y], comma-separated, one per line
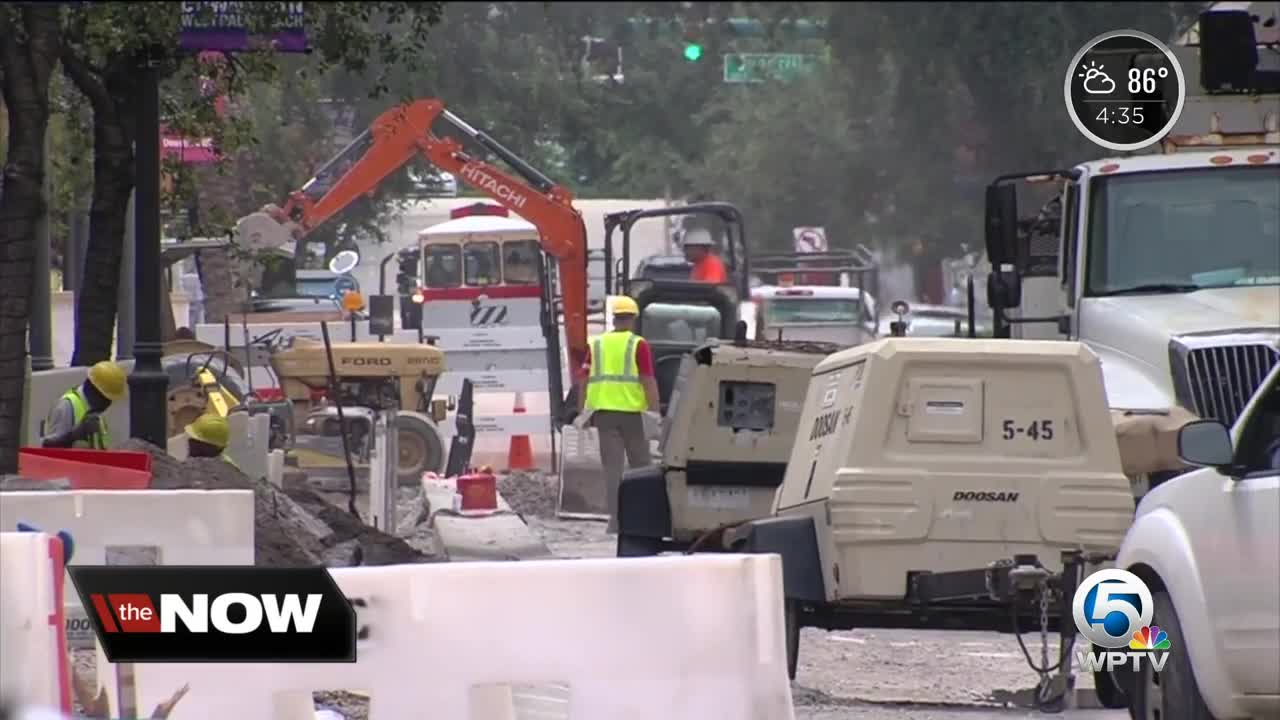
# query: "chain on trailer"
[1026,580]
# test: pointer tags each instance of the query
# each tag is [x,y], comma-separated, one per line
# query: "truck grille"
[1223,379]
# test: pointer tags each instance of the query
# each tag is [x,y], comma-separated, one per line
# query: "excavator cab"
[678,315]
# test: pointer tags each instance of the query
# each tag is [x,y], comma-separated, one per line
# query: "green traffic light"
[692,52]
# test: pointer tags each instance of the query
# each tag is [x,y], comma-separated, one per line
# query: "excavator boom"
[405,131]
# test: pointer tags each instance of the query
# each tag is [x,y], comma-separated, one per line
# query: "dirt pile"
[370,545]
[530,494]
[288,532]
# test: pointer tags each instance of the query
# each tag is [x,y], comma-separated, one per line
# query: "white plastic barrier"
[34,667]
[164,527]
[669,637]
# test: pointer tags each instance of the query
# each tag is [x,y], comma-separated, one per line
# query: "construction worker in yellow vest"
[208,436]
[621,389]
[76,419]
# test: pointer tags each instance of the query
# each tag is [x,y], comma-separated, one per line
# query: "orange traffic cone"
[520,454]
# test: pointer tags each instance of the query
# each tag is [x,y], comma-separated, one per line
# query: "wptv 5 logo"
[1112,609]
[217,614]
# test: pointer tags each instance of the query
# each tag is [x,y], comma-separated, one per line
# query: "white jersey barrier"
[34,666]
[137,527]
[678,638]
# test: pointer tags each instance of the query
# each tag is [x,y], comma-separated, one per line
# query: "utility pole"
[148,383]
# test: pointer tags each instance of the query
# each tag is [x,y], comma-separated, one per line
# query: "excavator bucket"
[582,485]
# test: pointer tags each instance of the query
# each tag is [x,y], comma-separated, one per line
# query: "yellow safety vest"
[614,382]
[79,408]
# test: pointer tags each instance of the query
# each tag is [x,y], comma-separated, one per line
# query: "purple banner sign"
[221,26]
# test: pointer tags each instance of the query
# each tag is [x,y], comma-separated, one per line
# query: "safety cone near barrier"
[520,454]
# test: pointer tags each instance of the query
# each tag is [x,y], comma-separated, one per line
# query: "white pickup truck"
[1207,544]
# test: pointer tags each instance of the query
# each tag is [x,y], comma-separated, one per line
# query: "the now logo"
[217,614]
[231,613]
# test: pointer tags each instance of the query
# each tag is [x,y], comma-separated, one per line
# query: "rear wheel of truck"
[419,449]
[791,611]
[1172,692]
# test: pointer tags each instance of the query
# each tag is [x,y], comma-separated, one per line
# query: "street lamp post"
[148,384]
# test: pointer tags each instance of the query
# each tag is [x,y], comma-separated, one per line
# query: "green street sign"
[759,67]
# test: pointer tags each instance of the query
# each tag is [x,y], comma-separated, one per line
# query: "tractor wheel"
[419,449]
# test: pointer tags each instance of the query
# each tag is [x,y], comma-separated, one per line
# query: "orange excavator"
[405,132]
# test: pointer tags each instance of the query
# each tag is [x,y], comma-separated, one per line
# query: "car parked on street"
[1207,545]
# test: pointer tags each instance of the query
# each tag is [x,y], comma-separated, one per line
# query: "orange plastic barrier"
[87,469]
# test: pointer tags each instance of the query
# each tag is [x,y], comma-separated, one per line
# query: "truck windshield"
[791,311]
[1185,230]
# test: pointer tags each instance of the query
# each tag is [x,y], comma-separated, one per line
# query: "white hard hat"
[698,237]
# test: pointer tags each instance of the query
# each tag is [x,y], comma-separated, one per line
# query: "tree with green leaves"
[103,42]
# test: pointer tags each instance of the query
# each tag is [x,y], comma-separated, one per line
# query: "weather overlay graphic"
[1124,90]
[1150,638]
[1113,610]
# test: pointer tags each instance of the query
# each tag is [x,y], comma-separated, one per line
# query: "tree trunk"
[30,41]
[221,274]
[113,136]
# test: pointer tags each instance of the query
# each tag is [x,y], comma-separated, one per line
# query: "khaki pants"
[621,436]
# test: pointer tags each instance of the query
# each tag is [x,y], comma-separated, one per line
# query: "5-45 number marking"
[1036,430]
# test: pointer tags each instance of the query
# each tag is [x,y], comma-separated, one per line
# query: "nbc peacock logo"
[1149,638]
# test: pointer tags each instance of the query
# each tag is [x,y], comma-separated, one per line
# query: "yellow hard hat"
[623,305]
[211,429]
[109,379]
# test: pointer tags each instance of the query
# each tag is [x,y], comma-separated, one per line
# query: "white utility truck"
[1166,264]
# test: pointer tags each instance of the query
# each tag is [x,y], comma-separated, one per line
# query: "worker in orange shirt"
[700,250]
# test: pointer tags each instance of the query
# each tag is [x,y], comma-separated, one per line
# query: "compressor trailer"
[944,483]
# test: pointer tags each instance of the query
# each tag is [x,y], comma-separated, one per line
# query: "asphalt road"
[851,675]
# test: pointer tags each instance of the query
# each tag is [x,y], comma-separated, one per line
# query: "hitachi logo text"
[480,178]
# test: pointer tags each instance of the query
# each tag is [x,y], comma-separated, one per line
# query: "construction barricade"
[137,527]
[87,469]
[33,647]
[678,638]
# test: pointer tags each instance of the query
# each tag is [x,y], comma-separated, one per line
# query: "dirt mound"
[531,494]
[287,532]
[374,546]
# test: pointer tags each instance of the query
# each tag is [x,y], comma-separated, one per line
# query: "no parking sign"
[810,239]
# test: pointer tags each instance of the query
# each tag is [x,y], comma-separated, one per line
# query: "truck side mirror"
[1002,223]
[1206,443]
